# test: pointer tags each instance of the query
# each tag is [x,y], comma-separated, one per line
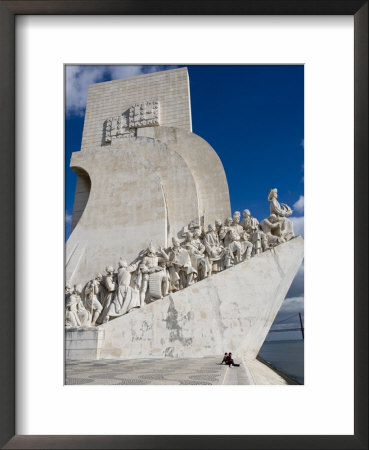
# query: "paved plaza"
[186,371]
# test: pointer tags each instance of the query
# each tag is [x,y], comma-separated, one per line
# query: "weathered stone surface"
[83,344]
[230,311]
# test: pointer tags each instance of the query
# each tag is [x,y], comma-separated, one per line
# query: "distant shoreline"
[283,340]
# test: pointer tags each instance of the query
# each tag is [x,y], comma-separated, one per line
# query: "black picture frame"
[8,280]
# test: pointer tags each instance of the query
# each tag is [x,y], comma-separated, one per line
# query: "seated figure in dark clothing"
[229,361]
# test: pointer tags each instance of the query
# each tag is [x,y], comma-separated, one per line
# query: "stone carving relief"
[144,114]
[139,115]
[156,272]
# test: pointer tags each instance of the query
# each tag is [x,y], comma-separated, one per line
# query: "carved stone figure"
[281,211]
[246,245]
[218,227]
[214,249]
[272,229]
[125,297]
[71,316]
[83,315]
[232,244]
[196,251]
[92,293]
[249,223]
[154,282]
[106,295]
[180,267]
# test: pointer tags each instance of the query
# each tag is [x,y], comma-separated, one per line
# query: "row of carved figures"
[157,272]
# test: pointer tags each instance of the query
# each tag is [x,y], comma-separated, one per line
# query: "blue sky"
[253,116]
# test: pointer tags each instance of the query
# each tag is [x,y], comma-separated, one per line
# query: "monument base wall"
[229,311]
[83,343]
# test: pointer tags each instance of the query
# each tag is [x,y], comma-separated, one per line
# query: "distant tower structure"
[141,172]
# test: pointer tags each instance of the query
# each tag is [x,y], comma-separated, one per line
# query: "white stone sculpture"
[282,211]
[125,297]
[180,267]
[71,316]
[232,243]
[154,284]
[92,293]
[83,315]
[249,223]
[255,234]
[153,274]
[272,229]
[246,245]
[196,250]
[214,249]
[106,295]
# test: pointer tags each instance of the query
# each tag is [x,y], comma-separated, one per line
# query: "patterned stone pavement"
[186,371]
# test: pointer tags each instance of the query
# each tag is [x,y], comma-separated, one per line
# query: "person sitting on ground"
[230,361]
[224,359]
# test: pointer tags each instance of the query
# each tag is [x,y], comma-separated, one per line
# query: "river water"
[286,356]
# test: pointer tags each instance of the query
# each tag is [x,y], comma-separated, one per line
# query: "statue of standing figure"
[76,314]
[246,245]
[281,211]
[196,250]
[180,268]
[153,279]
[214,249]
[125,297]
[92,295]
[255,234]
[71,316]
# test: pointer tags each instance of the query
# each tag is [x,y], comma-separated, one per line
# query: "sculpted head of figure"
[123,264]
[151,251]
[98,277]
[78,289]
[109,270]
[236,217]
[68,288]
[188,236]
[211,227]
[246,213]
[218,223]
[273,193]
[273,218]
[176,242]
[196,233]
[228,221]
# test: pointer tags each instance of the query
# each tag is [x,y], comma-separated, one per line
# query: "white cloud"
[299,205]
[292,305]
[78,78]
[68,218]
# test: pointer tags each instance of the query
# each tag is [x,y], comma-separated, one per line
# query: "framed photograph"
[330,43]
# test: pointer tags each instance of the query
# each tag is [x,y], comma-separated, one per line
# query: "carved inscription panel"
[139,115]
[144,114]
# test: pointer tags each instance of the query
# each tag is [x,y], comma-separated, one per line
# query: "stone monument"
[183,277]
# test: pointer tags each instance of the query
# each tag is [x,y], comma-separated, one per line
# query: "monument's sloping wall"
[206,168]
[230,311]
